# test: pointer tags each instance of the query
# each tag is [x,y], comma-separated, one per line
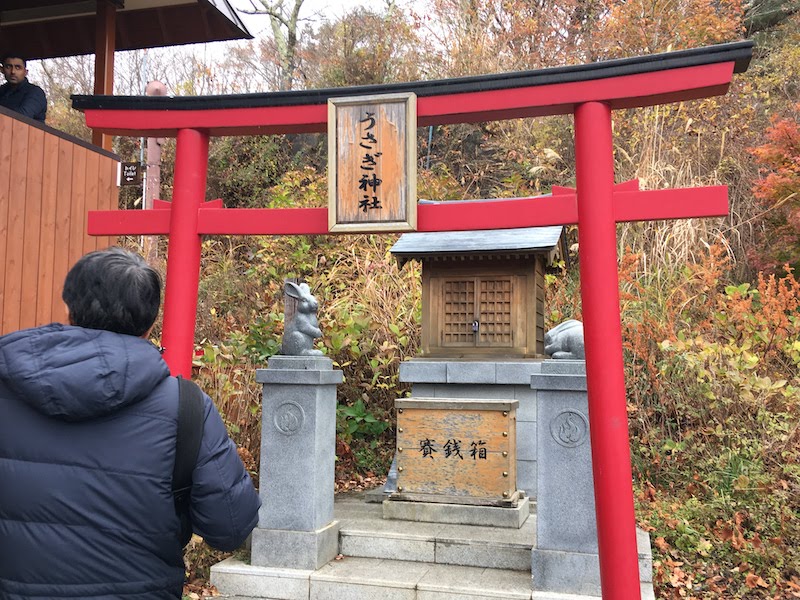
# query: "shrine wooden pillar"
[605,373]
[105,46]
[183,258]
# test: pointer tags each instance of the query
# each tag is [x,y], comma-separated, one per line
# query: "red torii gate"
[590,92]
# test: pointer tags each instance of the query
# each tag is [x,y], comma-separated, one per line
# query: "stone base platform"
[295,549]
[403,560]
[461,514]
[370,578]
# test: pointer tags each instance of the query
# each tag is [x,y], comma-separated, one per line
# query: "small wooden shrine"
[482,291]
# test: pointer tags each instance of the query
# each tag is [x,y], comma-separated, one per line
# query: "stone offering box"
[482,291]
[459,451]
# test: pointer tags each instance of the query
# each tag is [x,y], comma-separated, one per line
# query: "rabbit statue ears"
[296,291]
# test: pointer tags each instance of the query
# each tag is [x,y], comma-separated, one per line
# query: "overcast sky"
[258,25]
[311,9]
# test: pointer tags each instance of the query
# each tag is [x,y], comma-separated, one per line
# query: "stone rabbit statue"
[301,331]
[565,341]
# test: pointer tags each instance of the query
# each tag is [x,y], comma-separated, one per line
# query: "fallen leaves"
[358,482]
[752,580]
[661,544]
[731,532]
[199,589]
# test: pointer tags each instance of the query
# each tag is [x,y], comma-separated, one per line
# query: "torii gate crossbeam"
[589,92]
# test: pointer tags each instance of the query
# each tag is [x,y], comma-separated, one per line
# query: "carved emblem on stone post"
[289,418]
[569,428]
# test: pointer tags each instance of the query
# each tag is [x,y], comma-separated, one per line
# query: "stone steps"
[402,560]
[353,578]
[364,533]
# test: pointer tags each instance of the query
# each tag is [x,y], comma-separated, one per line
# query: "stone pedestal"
[565,558]
[298,451]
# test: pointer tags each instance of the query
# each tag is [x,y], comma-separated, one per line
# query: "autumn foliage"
[645,27]
[778,189]
[713,387]
[710,313]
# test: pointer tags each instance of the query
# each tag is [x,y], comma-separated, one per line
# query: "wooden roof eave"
[39,30]
[549,253]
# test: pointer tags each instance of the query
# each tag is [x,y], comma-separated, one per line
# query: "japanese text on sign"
[130,174]
[369,181]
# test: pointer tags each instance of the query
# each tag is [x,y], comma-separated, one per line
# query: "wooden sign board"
[372,163]
[460,451]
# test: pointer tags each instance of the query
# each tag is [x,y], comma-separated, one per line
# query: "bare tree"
[364,47]
[284,19]
[67,75]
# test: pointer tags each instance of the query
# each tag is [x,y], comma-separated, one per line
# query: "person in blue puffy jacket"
[88,420]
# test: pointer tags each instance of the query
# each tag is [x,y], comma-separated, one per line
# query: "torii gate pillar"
[183,259]
[605,373]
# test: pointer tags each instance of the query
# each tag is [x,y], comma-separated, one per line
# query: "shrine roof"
[495,241]
[50,28]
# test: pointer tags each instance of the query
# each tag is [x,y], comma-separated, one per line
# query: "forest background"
[709,307]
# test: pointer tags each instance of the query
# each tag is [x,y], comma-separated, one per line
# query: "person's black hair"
[114,290]
[8,55]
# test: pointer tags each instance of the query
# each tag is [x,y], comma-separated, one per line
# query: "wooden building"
[48,182]
[482,291]
[48,28]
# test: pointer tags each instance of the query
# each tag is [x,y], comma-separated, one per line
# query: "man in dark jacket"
[19,94]
[88,419]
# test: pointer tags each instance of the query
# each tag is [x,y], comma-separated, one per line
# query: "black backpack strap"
[187,447]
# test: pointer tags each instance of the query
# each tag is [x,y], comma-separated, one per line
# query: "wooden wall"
[48,182]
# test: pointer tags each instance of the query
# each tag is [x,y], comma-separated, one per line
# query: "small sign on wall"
[130,173]
[372,163]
